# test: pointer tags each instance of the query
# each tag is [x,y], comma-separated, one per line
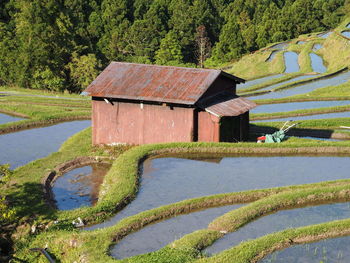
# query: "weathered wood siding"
[136,123]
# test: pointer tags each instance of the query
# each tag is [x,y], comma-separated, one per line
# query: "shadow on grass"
[29,202]
[299,132]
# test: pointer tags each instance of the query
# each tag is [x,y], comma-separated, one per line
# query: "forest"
[61,45]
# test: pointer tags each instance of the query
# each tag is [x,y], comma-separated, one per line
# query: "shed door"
[230,129]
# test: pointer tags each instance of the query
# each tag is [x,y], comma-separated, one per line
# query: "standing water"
[19,148]
[156,236]
[328,250]
[4,118]
[291,62]
[282,220]
[169,180]
[317,63]
[79,187]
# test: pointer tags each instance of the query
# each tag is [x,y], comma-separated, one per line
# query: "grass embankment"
[120,184]
[41,111]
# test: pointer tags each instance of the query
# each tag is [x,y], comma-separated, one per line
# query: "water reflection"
[305,88]
[346,34]
[156,236]
[333,115]
[291,106]
[317,63]
[4,118]
[257,81]
[316,47]
[79,187]
[280,221]
[328,250]
[176,179]
[19,148]
[291,62]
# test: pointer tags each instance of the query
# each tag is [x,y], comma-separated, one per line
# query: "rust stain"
[155,83]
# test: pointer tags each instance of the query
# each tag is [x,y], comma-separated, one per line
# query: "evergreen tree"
[169,52]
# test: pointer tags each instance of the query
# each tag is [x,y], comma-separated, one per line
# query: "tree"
[169,52]
[203,45]
[83,70]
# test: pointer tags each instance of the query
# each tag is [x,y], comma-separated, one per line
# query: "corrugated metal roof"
[154,83]
[226,104]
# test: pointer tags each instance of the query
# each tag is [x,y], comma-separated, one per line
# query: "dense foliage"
[62,44]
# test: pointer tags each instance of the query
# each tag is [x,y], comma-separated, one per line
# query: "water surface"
[257,81]
[316,47]
[291,106]
[335,250]
[346,34]
[304,77]
[79,187]
[317,63]
[4,118]
[19,148]
[280,221]
[307,87]
[291,62]
[325,35]
[168,180]
[272,56]
[333,115]
[280,46]
[156,236]
[301,42]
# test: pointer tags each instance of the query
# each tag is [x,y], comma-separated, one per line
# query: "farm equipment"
[277,136]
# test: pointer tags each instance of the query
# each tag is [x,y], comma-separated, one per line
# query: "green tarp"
[278,136]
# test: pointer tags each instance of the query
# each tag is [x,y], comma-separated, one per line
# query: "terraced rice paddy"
[29,145]
[328,250]
[306,88]
[79,187]
[156,236]
[346,34]
[291,62]
[221,175]
[281,221]
[256,81]
[291,106]
[333,115]
[4,118]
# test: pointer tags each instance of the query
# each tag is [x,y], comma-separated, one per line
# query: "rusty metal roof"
[154,83]
[226,104]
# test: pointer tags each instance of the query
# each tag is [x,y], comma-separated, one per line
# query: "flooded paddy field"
[80,186]
[282,220]
[327,251]
[168,180]
[346,34]
[306,88]
[316,47]
[5,118]
[251,83]
[291,62]
[317,63]
[156,236]
[291,106]
[333,115]
[19,148]
[304,77]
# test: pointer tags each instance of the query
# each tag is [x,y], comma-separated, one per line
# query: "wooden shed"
[139,104]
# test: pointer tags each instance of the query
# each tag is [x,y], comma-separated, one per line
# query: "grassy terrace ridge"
[42,111]
[124,175]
